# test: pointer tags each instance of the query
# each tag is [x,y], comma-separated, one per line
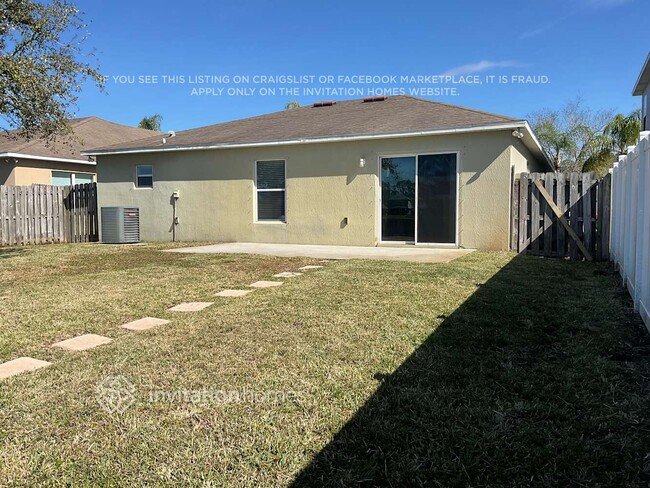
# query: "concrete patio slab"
[233,293]
[144,324]
[21,365]
[190,306]
[83,342]
[415,254]
[310,266]
[265,284]
[287,274]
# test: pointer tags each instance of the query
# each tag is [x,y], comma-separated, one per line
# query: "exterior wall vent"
[326,103]
[380,98]
[120,225]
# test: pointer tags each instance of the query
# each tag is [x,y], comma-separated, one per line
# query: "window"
[144,176]
[82,178]
[61,178]
[66,178]
[270,183]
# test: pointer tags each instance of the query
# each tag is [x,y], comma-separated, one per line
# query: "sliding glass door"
[398,199]
[419,203]
[436,201]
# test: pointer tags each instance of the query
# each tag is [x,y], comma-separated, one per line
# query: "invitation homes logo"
[115,394]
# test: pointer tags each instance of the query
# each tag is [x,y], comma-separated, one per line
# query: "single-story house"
[642,89]
[381,170]
[35,161]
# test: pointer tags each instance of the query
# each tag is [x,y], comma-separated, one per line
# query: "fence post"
[523,212]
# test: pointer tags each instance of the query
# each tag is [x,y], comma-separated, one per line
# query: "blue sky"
[591,48]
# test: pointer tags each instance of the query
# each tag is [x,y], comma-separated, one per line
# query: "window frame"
[256,191]
[136,184]
[73,176]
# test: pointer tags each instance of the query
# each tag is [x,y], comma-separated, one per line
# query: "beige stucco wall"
[24,171]
[324,185]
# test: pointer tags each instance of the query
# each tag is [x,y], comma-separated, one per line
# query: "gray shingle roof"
[394,115]
[88,132]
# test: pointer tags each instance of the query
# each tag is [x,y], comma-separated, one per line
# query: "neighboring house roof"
[87,132]
[396,116]
[644,78]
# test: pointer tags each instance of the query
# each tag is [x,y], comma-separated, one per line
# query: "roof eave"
[457,130]
[643,79]
[46,158]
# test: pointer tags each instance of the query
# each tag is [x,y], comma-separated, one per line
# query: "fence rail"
[44,214]
[631,223]
[557,215]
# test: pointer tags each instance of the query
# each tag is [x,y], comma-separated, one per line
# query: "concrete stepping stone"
[233,293]
[190,306]
[21,365]
[286,274]
[83,342]
[144,324]
[308,267]
[265,284]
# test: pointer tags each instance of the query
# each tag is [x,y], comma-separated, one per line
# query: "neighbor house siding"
[25,171]
[324,185]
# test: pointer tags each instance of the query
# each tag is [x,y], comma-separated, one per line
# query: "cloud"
[534,32]
[588,5]
[541,29]
[468,69]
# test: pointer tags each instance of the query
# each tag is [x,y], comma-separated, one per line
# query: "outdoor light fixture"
[362,162]
[518,134]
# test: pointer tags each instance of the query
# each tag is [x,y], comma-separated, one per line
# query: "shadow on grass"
[11,252]
[540,378]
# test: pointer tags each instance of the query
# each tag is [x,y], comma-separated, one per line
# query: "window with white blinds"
[270,185]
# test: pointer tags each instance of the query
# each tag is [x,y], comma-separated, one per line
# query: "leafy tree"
[572,135]
[151,122]
[580,139]
[42,66]
[292,104]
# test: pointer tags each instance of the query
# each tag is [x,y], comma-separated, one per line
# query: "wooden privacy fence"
[631,223]
[44,214]
[558,215]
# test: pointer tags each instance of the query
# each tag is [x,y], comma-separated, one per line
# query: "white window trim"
[135,181]
[256,190]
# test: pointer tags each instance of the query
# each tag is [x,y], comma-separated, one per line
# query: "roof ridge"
[310,106]
[35,140]
[483,112]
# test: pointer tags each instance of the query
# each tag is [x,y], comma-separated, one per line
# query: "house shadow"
[11,252]
[514,388]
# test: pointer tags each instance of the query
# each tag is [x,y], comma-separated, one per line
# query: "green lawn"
[492,370]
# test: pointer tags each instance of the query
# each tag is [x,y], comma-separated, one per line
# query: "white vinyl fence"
[630,246]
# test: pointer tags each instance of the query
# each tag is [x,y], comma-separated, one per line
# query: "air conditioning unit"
[120,225]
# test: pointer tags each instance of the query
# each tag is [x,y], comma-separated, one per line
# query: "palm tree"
[555,141]
[151,122]
[292,104]
[624,131]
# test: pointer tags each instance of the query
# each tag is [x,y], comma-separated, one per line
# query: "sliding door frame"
[417,155]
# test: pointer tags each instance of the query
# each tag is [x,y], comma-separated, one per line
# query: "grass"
[492,370]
